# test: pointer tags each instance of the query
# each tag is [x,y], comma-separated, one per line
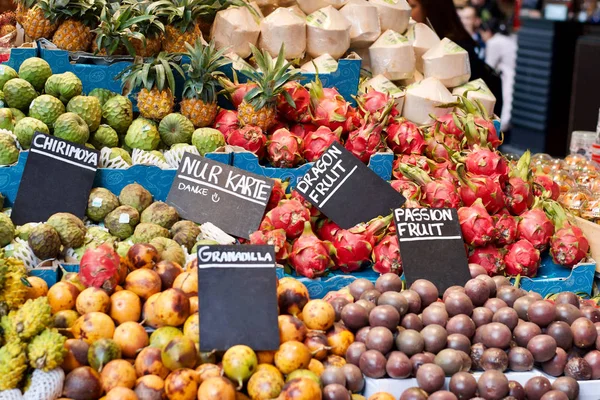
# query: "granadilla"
[438,193]
[506,229]
[449,124]
[518,195]
[365,141]
[404,137]
[490,258]
[300,98]
[568,245]
[317,142]
[284,149]
[522,259]
[311,256]
[250,138]
[483,161]
[278,193]
[226,121]
[327,229]
[476,224]
[289,215]
[415,160]
[386,256]
[474,187]
[409,189]
[536,227]
[543,185]
[301,130]
[277,239]
[327,106]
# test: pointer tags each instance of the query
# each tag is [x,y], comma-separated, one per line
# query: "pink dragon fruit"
[365,141]
[404,137]
[386,256]
[490,258]
[409,189]
[353,250]
[543,185]
[479,129]
[327,229]
[275,238]
[317,142]
[250,138]
[506,229]
[568,245]
[476,224]
[311,256]
[353,120]
[449,124]
[438,193]
[277,194]
[283,149]
[444,170]
[536,227]
[327,106]
[226,121]
[277,125]
[518,195]
[483,161]
[414,160]
[289,215]
[236,91]
[301,130]
[373,102]
[99,268]
[314,211]
[473,187]
[489,131]
[522,259]
[435,149]
[301,100]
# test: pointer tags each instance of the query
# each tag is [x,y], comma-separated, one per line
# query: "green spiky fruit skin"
[169,250]
[18,93]
[119,152]
[64,86]
[44,241]
[25,129]
[103,95]
[7,230]
[145,232]
[47,109]
[14,290]
[105,136]
[13,363]
[88,108]
[136,196]
[7,120]
[23,231]
[71,229]
[9,153]
[118,113]
[185,233]
[95,237]
[142,134]
[70,126]
[100,202]
[207,140]
[119,227]
[47,350]
[6,74]
[29,320]
[160,213]
[175,128]
[35,71]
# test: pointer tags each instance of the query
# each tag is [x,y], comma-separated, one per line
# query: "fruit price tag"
[431,246]
[58,177]
[209,191]
[237,297]
[346,190]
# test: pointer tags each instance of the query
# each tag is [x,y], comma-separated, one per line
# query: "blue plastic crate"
[20,54]
[48,274]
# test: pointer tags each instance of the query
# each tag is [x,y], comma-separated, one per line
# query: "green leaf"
[288,98]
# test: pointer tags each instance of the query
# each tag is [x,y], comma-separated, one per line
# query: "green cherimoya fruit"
[160,213]
[103,95]
[145,232]
[118,113]
[19,93]
[35,71]
[175,128]
[23,231]
[64,86]
[207,140]
[100,202]
[203,242]
[44,241]
[88,108]
[123,247]
[136,196]
[71,229]
[25,129]
[70,126]
[7,121]
[47,350]
[47,109]
[122,221]
[17,114]
[105,136]
[29,320]
[6,74]
[185,233]
[169,250]
[142,134]
[119,152]
[158,155]
[7,230]
[9,153]
[13,363]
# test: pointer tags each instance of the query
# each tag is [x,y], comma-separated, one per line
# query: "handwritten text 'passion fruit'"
[415,222]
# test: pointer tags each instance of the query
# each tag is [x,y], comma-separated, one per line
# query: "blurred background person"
[472,23]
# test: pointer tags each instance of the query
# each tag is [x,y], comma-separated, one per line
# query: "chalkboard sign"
[208,191]
[58,177]
[237,297]
[431,246]
[346,190]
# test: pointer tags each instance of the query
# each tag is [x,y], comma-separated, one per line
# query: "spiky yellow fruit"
[13,363]
[72,35]
[155,104]
[175,39]
[263,117]
[37,26]
[14,292]
[200,113]
[47,350]
[29,320]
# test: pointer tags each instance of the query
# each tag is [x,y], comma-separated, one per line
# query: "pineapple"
[259,105]
[182,27]
[156,81]
[77,18]
[199,103]
[35,19]
[152,29]
[115,33]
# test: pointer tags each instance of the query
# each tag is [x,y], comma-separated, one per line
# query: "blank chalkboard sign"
[431,246]
[58,177]
[237,297]
[346,190]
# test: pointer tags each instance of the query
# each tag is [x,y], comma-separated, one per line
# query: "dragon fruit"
[483,161]
[372,102]
[327,229]
[476,225]
[289,215]
[236,91]
[365,141]
[438,193]
[226,121]
[506,229]
[250,138]
[490,258]
[317,142]
[536,227]
[283,149]
[99,267]
[275,238]
[311,256]
[437,150]
[444,170]
[522,259]
[275,126]
[386,256]
[479,129]
[449,124]
[568,245]
[301,130]
[327,106]
[518,195]
[489,130]
[543,185]
[404,137]
[277,194]
[414,160]
[314,211]
[473,187]
[409,189]
[300,98]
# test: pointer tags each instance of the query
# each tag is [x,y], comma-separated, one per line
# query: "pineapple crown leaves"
[118,27]
[86,11]
[270,77]
[182,14]
[157,10]
[155,73]
[205,60]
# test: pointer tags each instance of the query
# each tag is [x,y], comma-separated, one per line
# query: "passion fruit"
[355,380]
[333,375]
[413,299]
[478,291]
[449,360]
[354,352]
[430,377]
[482,316]
[83,383]
[316,341]
[410,342]
[492,385]
[414,393]
[143,282]
[556,365]
[76,354]
[398,365]
[318,315]
[125,306]
[543,347]
[338,304]
[372,364]
[435,315]
[435,338]
[292,296]
[463,385]
[520,359]
[118,373]
[524,332]
[459,342]
[149,362]
[578,369]
[412,321]
[388,283]
[426,290]
[395,300]
[506,316]
[291,356]
[494,359]
[536,387]
[336,392]
[381,339]
[562,333]
[541,313]
[584,333]
[458,303]
[568,386]
[461,324]
[359,286]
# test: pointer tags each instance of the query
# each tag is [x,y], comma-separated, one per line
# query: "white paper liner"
[46,385]
[107,162]
[143,157]
[209,231]
[174,156]
[21,250]
[12,394]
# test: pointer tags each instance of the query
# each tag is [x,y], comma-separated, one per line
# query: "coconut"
[447,62]
[327,32]
[310,6]
[364,18]
[365,57]
[478,90]
[422,38]
[266,7]
[393,56]
[235,29]
[417,77]
[422,100]
[297,11]
[324,64]
[283,27]
[383,84]
[393,14]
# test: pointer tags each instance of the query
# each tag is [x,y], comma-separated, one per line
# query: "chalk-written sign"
[346,190]
[208,191]
[431,246]
[58,177]
[237,297]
